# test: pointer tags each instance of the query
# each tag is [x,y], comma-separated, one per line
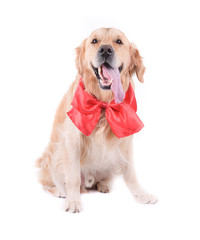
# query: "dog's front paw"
[73,206]
[145,198]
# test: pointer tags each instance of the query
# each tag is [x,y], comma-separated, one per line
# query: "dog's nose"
[105,51]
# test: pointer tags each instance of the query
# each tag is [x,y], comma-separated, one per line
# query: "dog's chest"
[101,160]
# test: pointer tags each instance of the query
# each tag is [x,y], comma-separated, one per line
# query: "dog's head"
[107,60]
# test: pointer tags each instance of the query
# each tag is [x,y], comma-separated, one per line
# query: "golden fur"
[73,161]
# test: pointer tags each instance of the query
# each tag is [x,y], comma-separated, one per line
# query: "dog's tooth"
[99,69]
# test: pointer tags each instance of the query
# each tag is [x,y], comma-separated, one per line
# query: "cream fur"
[73,162]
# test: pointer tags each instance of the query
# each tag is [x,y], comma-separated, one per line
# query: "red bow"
[122,117]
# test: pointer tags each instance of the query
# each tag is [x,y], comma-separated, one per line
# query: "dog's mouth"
[102,74]
[109,78]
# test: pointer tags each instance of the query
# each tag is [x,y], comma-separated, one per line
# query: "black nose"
[105,51]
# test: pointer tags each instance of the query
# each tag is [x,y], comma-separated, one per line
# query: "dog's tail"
[38,162]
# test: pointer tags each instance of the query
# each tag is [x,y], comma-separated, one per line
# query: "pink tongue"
[116,86]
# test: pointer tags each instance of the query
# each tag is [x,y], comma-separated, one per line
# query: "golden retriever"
[74,162]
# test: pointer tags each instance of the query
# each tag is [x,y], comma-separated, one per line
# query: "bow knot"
[122,118]
[104,105]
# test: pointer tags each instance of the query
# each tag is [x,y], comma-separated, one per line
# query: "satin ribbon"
[122,118]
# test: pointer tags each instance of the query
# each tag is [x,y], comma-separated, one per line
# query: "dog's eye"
[94,41]
[119,41]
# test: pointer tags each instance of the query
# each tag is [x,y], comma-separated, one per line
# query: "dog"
[77,157]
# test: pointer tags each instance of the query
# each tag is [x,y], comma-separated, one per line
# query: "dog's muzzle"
[105,54]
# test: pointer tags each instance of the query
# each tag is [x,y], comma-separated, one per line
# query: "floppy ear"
[79,57]
[136,64]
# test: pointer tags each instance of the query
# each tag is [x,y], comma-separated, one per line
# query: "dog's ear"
[79,57]
[136,64]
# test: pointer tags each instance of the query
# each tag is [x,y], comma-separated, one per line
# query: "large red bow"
[122,117]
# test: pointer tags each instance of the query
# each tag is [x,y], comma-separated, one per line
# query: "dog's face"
[107,54]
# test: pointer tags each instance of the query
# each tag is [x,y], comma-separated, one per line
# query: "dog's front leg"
[73,174]
[132,182]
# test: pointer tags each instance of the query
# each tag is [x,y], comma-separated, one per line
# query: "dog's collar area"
[122,118]
[104,105]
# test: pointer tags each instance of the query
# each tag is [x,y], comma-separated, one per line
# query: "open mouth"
[105,80]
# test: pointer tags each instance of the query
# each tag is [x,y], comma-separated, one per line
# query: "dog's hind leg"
[46,174]
[104,185]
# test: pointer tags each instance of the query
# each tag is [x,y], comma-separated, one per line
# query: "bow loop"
[84,102]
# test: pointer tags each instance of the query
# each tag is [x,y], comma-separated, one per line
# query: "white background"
[37,42]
